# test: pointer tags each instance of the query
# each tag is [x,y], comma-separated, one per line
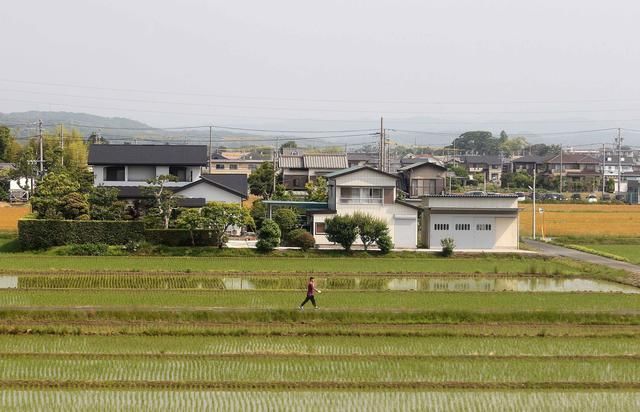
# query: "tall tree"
[164,200]
[219,217]
[261,180]
[317,190]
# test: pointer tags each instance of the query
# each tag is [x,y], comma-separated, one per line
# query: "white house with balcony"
[129,167]
[371,191]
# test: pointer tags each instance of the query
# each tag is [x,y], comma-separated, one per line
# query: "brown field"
[9,216]
[582,220]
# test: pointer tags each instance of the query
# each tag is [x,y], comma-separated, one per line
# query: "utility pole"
[41,147]
[619,142]
[275,165]
[561,167]
[381,146]
[533,211]
[210,141]
[604,166]
[61,145]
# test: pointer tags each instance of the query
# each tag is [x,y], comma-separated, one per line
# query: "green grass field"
[80,333]
[631,252]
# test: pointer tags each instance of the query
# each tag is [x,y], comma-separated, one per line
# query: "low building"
[490,167]
[367,190]
[528,164]
[473,222]
[220,164]
[580,172]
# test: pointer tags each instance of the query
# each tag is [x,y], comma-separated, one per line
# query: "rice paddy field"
[134,333]
[566,219]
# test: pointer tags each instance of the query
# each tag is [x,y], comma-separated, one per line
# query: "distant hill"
[115,129]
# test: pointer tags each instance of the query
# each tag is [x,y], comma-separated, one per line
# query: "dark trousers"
[309,298]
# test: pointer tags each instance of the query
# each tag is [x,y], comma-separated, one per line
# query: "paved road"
[553,250]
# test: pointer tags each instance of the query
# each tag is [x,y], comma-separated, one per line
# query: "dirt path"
[559,251]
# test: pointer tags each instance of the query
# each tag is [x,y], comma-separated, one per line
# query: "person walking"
[311,290]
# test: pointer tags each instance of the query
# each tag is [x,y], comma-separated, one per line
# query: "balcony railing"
[361,200]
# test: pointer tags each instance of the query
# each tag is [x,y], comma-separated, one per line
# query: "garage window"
[483,226]
[320,228]
[463,226]
[441,226]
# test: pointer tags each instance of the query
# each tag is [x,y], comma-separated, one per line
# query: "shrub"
[342,230]
[447,246]
[370,228]
[384,243]
[268,236]
[302,239]
[287,220]
[44,233]
[87,249]
[183,237]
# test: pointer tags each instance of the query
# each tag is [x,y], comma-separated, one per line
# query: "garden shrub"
[384,243]
[268,236]
[86,249]
[447,246]
[342,230]
[302,239]
[44,233]
[183,237]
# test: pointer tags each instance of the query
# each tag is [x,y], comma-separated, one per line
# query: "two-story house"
[426,177]
[221,164]
[579,171]
[367,190]
[491,167]
[129,167]
[298,169]
[528,164]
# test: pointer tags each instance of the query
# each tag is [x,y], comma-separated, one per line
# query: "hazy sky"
[544,65]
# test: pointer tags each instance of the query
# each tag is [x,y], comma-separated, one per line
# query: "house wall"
[388,213]
[366,178]
[472,202]
[133,172]
[210,193]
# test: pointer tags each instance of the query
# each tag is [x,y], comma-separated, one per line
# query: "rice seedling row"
[154,400]
[295,369]
[328,346]
[332,300]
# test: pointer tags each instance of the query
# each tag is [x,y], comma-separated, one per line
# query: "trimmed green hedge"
[44,233]
[181,237]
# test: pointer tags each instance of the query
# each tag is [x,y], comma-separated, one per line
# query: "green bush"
[384,243]
[44,233]
[268,236]
[287,220]
[447,246]
[182,237]
[86,249]
[342,230]
[302,239]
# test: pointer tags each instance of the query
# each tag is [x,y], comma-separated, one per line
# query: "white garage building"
[473,222]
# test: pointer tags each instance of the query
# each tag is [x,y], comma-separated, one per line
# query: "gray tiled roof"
[314,161]
[235,182]
[131,154]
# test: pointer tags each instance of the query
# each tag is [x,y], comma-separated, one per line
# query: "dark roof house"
[133,154]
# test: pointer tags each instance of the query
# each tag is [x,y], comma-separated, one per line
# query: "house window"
[320,228]
[441,226]
[233,167]
[483,226]
[421,187]
[114,174]
[463,226]
[219,166]
[361,195]
[179,172]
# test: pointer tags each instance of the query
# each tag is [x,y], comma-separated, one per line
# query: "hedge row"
[44,233]
[181,237]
